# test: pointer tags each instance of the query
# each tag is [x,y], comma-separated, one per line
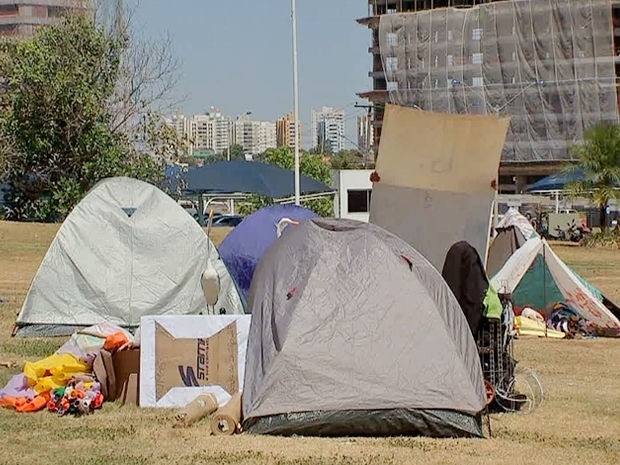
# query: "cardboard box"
[127,374]
[187,355]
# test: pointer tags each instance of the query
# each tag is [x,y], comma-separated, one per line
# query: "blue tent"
[556,182]
[245,245]
[248,177]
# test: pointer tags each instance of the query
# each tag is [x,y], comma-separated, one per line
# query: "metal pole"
[295,101]
[496,206]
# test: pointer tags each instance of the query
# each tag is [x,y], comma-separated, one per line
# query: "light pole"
[295,101]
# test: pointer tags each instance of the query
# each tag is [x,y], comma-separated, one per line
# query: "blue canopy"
[244,246]
[248,177]
[556,182]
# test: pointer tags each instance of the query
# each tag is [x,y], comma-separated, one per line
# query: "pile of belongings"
[567,320]
[64,382]
[561,322]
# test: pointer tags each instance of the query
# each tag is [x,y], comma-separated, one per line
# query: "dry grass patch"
[579,422]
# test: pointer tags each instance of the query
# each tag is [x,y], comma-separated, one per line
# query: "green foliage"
[236,152]
[609,239]
[313,165]
[599,158]
[56,118]
[349,160]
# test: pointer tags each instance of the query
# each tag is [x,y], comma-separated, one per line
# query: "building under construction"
[551,65]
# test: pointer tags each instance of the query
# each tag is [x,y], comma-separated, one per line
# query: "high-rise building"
[267,138]
[550,65]
[183,127]
[20,18]
[365,134]
[285,131]
[254,136]
[211,131]
[328,130]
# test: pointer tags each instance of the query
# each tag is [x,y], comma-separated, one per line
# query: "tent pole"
[295,101]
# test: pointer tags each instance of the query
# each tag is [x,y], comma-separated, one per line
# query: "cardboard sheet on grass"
[184,356]
[436,171]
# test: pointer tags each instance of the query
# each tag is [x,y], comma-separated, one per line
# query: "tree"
[312,165]
[236,152]
[148,69]
[598,157]
[347,160]
[57,117]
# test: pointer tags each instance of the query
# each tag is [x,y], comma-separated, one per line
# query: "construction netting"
[548,64]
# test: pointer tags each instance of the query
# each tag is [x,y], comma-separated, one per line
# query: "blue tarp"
[556,182]
[244,246]
[240,176]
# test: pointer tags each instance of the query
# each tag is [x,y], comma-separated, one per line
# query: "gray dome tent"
[126,250]
[355,333]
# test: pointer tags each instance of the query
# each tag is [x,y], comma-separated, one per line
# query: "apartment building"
[365,134]
[254,136]
[212,131]
[328,130]
[285,131]
[20,18]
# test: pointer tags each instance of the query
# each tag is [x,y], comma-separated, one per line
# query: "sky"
[236,55]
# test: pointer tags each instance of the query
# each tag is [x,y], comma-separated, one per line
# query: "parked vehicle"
[228,220]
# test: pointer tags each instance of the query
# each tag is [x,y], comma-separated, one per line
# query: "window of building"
[477,81]
[8,29]
[476,34]
[392,85]
[9,10]
[450,36]
[476,58]
[56,11]
[391,39]
[391,64]
[449,60]
[358,201]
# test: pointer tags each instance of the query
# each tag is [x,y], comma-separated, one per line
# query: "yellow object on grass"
[53,372]
[529,327]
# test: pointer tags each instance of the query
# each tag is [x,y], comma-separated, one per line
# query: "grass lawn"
[579,422]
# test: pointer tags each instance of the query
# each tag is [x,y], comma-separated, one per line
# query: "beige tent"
[436,172]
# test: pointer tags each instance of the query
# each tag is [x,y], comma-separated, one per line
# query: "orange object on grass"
[36,404]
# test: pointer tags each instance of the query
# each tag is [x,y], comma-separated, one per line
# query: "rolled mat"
[226,420]
[197,409]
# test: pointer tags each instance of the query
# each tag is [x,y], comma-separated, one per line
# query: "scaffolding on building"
[548,64]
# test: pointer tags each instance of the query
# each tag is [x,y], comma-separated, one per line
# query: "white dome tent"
[126,250]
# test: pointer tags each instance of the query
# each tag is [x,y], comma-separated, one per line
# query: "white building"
[328,130]
[211,131]
[365,133]
[254,136]
[354,192]
[267,136]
